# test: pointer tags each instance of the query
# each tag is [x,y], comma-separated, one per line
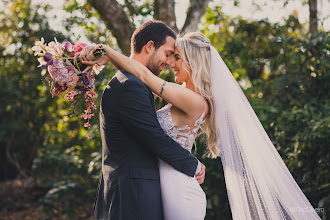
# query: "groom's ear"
[149,47]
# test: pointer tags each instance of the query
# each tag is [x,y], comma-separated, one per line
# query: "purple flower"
[48,57]
[50,62]
[86,80]
[68,46]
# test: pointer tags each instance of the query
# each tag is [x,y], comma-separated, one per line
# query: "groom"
[132,139]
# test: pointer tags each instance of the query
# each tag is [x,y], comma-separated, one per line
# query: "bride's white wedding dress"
[183,198]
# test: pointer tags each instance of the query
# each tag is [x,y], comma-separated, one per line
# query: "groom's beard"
[152,64]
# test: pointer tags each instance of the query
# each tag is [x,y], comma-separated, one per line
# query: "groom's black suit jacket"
[132,142]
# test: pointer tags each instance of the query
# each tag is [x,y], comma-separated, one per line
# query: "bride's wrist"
[103,47]
[107,50]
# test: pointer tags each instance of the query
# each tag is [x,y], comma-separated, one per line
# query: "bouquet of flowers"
[68,75]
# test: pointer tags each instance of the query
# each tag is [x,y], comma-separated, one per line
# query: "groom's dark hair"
[154,30]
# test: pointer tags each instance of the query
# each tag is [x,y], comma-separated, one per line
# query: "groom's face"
[161,57]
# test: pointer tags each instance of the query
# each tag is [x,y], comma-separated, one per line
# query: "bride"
[259,185]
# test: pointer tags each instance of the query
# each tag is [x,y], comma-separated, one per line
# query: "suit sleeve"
[139,118]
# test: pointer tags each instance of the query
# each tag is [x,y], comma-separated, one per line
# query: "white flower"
[51,44]
[51,50]
[58,49]
[39,46]
[40,43]
[41,61]
[97,68]
[37,50]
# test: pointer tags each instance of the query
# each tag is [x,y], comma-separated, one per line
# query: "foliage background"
[283,70]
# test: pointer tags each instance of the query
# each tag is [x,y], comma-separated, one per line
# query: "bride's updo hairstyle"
[195,51]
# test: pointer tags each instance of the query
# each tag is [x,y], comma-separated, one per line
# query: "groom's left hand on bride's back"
[201,175]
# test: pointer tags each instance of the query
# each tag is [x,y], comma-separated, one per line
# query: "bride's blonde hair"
[194,50]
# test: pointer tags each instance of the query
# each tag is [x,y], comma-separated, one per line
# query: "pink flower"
[68,46]
[87,114]
[70,96]
[65,75]
[69,68]
[57,90]
[59,72]
[79,47]
[73,81]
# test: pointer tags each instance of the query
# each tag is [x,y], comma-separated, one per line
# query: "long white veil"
[259,185]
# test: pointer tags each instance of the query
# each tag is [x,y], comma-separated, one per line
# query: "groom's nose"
[168,61]
[172,64]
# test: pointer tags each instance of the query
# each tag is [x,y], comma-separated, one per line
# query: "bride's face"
[181,74]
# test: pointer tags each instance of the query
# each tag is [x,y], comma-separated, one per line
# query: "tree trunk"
[164,10]
[114,16]
[118,22]
[196,10]
[313,16]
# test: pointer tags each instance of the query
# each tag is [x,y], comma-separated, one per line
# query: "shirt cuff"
[199,167]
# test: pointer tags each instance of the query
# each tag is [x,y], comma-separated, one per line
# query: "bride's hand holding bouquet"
[87,57]
[67,73]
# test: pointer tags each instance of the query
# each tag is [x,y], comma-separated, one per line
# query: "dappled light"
[283,69]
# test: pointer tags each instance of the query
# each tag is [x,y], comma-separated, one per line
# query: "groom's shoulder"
[127,79]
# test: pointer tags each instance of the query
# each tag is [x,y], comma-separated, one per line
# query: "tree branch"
[116,20]
[164,11]
[196,10]
[130,7]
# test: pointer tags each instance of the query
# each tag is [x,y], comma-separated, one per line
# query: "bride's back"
[180,126]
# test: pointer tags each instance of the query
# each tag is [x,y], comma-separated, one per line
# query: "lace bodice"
[183,135]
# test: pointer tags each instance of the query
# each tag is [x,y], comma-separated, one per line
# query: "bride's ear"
[149,47]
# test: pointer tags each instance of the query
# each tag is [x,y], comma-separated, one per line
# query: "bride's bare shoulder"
[196,106]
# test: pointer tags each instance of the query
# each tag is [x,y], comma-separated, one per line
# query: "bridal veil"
[259,185]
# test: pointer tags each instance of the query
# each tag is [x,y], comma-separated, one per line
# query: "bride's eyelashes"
[176,57]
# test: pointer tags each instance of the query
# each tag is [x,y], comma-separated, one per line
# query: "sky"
[273,10]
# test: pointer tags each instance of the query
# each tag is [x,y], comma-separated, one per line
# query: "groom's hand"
[201,175]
